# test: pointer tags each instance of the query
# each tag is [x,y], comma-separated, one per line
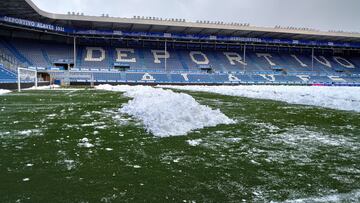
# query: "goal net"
[27,76]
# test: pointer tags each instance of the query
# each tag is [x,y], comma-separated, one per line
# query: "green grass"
[275,152]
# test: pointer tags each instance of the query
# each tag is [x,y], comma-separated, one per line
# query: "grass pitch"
[275,152]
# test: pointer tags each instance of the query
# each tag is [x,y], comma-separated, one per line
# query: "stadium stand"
[7,76]
[225,67]
[39,54]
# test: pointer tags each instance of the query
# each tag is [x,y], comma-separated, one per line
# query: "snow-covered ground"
[341,98]
[166,113]
[48,87]
[346,197]
[4,91]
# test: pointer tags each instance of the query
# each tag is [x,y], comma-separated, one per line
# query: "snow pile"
[333,198]
[48,87]
[166,113]
[4,91]
[341,98]
[119,88]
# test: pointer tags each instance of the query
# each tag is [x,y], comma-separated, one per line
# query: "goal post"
[26,75]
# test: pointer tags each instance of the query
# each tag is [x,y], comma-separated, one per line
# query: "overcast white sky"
[319,14]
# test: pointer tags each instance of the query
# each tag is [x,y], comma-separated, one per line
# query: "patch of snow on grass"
[49,87]
[346,197]
[194,143]
[4,91]
[341,98]
[165,113]
[4,133]
[29,132]
[70,164]
[85,143]
[93,124]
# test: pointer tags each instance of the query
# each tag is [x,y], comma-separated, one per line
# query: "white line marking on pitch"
[68,93]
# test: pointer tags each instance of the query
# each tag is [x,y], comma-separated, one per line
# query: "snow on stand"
[340,98]
[165,113]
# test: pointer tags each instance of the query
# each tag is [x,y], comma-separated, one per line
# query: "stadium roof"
[26,9]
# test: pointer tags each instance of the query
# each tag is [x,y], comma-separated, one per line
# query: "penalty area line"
[72,91]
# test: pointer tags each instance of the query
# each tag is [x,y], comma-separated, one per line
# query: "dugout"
[121,66]
[206,68]
[64,64]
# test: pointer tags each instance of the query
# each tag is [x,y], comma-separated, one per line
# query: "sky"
[318,14]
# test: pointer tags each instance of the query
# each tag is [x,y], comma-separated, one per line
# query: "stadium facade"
[77,49]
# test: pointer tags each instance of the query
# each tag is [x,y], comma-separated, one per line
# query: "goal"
[26,76]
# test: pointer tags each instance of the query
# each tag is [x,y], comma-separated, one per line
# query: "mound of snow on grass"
[333,198]
[4,91]
[165,113]
[48,87]
[341,98]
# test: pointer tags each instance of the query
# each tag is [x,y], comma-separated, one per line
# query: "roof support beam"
[234,32]
[217,32]
[202,31]
[167,29]
[131,27]
[186,29]
[150,28]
